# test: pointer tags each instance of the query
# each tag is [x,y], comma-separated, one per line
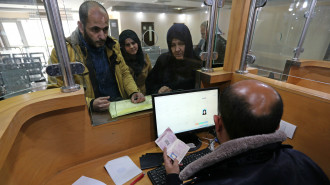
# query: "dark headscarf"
[136,63]
[181,32]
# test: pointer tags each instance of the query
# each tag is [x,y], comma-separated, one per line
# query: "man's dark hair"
[84,8]
[239,120]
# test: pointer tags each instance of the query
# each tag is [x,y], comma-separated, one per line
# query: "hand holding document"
[176,149]
[120,108]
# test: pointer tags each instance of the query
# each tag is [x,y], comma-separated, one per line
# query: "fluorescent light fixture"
[305,4]
[140,15]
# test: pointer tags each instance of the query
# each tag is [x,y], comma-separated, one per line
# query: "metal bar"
[55,23]
[299,48]
[257,10]
[247,38]
[211,34]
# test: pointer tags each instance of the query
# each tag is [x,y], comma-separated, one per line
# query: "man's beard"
[89,40]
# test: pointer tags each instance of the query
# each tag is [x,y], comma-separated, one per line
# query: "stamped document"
[120,108]
[176,149]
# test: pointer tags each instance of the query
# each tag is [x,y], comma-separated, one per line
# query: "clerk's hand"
[101,104]
[164,89]
[137,98]
[170,165]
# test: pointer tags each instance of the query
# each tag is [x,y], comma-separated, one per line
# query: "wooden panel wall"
[236,34]
[311,74]
[309,110]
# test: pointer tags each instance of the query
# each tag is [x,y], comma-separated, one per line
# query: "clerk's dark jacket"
[168,71]
[260,159]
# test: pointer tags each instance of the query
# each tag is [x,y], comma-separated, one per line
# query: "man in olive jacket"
[106,77]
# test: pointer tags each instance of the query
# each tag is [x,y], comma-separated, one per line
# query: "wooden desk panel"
[95,168]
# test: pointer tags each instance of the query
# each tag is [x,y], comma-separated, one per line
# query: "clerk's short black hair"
[240,121]
[84,8]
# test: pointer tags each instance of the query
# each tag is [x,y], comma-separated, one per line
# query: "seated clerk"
[106,77]
[174,70]
[139,63]
[251,150]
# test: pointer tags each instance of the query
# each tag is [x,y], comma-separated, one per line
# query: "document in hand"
[122,170]
[176,149]
[120,108]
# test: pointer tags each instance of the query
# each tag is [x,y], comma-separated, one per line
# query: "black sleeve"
[188,75]
[221,49]
[154,80]
[173,179]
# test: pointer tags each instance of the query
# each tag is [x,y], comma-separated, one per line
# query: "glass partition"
[23,49]
[26,38]
[279,27]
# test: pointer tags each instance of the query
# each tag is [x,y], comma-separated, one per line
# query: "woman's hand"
[164,89]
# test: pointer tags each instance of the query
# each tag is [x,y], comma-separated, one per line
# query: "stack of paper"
[122,170]
[120,108]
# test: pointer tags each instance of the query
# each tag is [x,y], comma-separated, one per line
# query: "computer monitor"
[185,112]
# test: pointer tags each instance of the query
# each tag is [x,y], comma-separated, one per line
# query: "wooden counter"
[45,132]
[95,168]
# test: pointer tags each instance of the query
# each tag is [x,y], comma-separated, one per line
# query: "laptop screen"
[185,111]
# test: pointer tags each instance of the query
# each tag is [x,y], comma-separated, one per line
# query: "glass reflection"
[23,50]
[30,33]
[278,30]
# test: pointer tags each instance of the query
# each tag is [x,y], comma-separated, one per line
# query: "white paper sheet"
[122,170]
[87,181]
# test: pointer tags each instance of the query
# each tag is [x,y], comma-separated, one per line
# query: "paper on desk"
[122,170]
[87,181]
[120,108]
[176,149]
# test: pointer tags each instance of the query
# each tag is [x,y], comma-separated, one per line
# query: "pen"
[137,179]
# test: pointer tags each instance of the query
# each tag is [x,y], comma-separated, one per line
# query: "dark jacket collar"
[230,149]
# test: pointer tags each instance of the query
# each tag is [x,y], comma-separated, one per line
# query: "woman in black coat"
[174,70]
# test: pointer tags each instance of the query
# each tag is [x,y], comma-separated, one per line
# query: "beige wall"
[132,20]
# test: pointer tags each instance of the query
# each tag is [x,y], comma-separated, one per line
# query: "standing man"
[251,150]
[106,77]
[219,44]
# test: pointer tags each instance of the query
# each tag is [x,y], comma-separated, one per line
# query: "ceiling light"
[305,4]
